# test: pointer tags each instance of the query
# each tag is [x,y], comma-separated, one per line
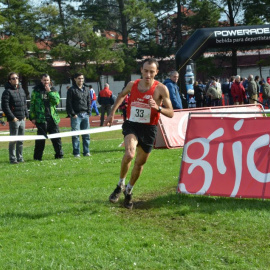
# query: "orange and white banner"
[226,157]
[172,131]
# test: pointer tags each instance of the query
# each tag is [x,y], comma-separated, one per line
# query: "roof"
[116,36]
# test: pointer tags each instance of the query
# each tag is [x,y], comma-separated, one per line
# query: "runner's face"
[149,71]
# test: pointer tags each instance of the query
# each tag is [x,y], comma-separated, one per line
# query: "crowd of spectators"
[235,90]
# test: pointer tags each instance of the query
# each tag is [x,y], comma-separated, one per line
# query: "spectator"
[218,86]
[265,94]
[238,91]
[257,80]
[43,114]
[78,109]
[245,82]
[214,93]
[105,99]
[15,108]
[199,94]
[252,90]
[93,98]
[232,80]
[208,97]
[123,107]
[225,87]
[173,88]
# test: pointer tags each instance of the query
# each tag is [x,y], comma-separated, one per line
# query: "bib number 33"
[140,113]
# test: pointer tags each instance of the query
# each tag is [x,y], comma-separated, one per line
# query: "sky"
[37,2]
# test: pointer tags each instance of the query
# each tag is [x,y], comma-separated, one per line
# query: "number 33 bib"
[140,112]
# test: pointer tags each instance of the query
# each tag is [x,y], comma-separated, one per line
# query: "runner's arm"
[164,96]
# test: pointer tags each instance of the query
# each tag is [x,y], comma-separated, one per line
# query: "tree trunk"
[62,19]
[179,42]
[123,22]
[234,50]
[124,28]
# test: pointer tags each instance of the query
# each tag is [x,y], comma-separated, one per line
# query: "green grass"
[55,214]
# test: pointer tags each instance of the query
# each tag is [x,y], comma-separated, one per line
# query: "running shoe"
[114,197]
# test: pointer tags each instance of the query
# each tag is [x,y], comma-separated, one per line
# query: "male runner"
[143,111]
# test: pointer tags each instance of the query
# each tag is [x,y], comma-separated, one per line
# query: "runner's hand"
[153,103]
[109,120]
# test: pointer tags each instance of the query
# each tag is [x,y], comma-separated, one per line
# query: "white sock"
[121,182]
[129,188]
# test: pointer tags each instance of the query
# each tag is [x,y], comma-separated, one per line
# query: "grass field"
[55,214]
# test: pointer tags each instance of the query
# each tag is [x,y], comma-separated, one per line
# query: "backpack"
[266,90]
[219,93]
[215,93]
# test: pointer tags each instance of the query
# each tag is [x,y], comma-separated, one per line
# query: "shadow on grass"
[178,204]
[195,203]
[75,211]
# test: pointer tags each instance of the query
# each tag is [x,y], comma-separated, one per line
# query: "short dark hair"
[44,75]
[10,74]
[90,86]
[76,75]
[151,61]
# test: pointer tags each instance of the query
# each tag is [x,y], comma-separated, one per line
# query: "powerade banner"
[226,157]
[239,36]
[244,36]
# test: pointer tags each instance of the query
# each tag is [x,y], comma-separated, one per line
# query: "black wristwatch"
[159,109]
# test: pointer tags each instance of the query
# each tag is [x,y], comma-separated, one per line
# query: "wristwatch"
[159,109]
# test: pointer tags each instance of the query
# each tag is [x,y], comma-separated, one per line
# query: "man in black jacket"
[15,108]
[78,109]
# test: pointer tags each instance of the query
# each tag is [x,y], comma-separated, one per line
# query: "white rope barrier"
[59,135]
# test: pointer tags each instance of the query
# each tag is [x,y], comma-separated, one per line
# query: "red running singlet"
[138,109]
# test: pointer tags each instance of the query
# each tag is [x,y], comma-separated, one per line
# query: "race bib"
[140,112]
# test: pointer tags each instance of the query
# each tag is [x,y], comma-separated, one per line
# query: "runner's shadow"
[183,204]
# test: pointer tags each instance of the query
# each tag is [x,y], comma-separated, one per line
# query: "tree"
[128,18]
[18,18]
[205,14]
[256,12]
[171,19]
[19,27]
[87,52]
[232,9]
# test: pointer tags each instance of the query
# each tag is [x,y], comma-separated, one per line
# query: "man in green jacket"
[43,114]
